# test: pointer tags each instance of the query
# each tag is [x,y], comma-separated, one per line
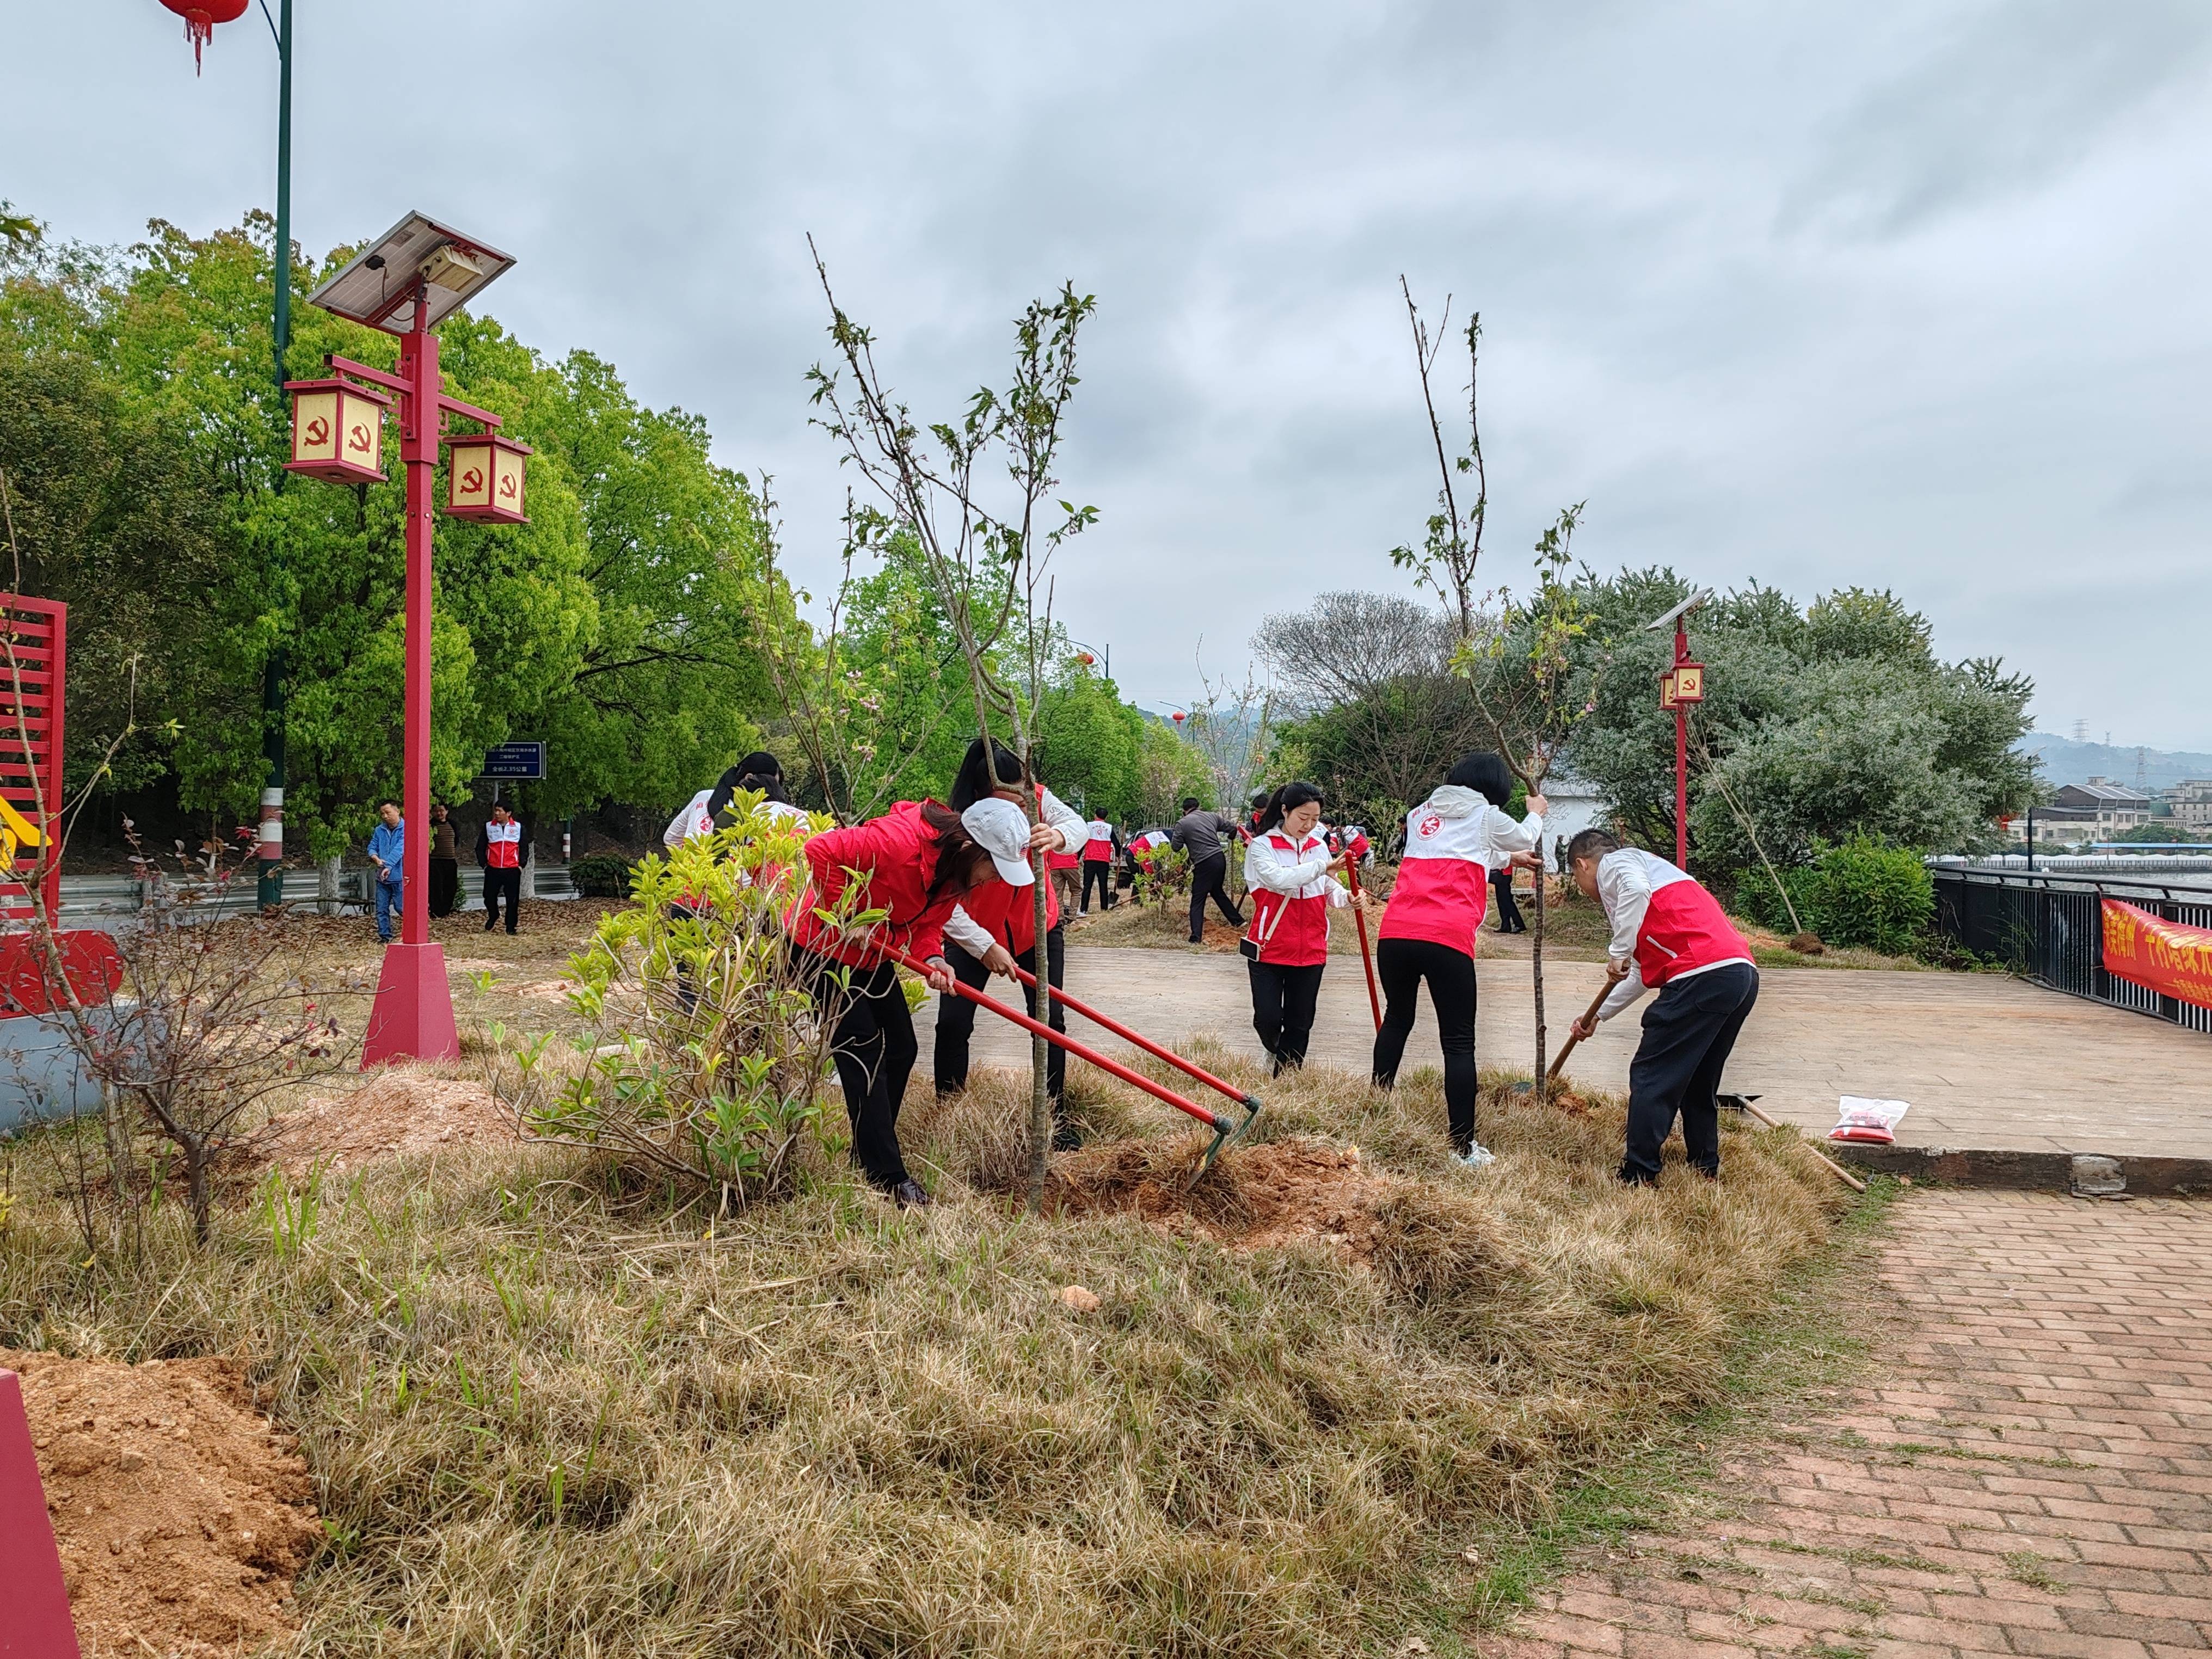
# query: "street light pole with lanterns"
[1680,687]
[405,283]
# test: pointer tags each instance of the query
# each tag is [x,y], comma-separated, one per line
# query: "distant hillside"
[2065,761]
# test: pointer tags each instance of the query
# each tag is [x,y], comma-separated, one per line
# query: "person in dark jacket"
[1203,836]
[502,848]
[1510,918]
[444,863]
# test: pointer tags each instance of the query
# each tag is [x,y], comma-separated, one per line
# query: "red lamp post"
[405,285]
[1681,685]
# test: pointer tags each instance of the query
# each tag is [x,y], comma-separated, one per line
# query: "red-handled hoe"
[1225,1129]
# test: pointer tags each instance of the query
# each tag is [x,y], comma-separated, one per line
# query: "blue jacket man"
[387,851]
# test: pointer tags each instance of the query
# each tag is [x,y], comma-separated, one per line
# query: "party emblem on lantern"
[486,479]
[338,431]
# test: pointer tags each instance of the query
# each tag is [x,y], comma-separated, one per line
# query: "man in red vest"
[1669,933]
[502,848]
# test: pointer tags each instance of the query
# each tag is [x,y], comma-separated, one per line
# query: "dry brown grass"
[548,1415]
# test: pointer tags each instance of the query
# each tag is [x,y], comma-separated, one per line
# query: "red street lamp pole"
[405,283]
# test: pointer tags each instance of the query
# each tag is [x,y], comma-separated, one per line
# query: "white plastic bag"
[1861,1119]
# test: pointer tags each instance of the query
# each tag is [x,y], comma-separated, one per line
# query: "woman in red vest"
[1285,944]
[993,929]
[1671,933]
[915,863]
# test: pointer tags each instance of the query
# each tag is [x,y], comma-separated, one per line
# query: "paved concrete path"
[1986,1062]
[2031,1476]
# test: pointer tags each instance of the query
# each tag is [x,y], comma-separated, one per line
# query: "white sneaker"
[1477,1157]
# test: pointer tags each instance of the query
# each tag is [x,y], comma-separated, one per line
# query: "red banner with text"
[2167,957]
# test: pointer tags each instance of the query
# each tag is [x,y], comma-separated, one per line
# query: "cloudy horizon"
[1886,296]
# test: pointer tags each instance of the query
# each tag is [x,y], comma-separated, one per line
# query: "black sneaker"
[909,1196]
[1066,1137]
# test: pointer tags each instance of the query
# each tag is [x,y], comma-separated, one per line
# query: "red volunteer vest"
[503,844]
[1685,927]
[1290,932]
[1099,850]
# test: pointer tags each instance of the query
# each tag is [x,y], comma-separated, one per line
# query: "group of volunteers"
[503,850]
[953,889]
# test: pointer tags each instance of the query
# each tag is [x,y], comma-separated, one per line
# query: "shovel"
[1224,1130]
[1366,956]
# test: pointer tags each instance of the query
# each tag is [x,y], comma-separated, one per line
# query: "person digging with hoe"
[1669,933]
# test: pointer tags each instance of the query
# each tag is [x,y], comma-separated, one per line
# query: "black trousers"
[1099,873]
[1508,909]
[1283,1001]
[445,885]
[956,1015]
[1208,878]
[1688,1033]
[873,1044]
[497,883]
[1401,964]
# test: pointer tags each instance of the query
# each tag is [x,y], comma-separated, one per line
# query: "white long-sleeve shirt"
[971,935]
[1625,879]
[1303,875]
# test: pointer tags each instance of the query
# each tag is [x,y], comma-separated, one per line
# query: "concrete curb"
[2021,1171]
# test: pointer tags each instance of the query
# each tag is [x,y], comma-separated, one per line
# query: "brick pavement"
[2029,1472]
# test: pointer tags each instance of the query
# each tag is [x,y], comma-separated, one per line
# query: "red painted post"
[413,1018]
[34,1610]
[1681,759]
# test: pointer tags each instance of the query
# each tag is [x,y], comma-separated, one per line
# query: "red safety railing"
[34,667]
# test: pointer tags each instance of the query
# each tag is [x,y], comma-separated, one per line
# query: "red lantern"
[200,18]
[338,431]
[1178,717]
[1085,659]
[484,478]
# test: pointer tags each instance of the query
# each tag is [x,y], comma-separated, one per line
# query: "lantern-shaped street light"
[338,431]
[483,478]
[406,282]
[1681,685]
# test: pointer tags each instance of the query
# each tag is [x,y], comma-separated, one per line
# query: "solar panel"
[378,286]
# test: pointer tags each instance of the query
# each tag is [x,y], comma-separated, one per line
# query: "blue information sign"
[515,762]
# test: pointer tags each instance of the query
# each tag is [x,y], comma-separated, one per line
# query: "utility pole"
[269,890]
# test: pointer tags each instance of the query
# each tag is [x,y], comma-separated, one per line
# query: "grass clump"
[550,1413]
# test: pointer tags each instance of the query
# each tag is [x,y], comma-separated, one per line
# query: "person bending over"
[1671,935]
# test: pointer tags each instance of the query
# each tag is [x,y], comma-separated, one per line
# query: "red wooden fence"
[34,666]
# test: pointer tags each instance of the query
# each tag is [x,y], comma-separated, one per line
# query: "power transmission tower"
[2142,769]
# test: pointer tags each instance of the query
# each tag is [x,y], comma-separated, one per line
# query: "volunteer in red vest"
[1285,944]
[915,863]
[1670,934]
[502,848]
[993,929]
[1098,864]
[1453,840]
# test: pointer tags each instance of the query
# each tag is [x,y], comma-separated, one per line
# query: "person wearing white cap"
[993,929]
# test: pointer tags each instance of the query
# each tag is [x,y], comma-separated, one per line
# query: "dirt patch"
[1254,1196]
[182,1515]
[396,1113]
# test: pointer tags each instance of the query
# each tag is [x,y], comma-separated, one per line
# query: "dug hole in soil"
[181,1513]
[1274,1194]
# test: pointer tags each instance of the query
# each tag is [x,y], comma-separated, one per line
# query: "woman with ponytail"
[915,864]
[993,929]
[1285,944]
[1454,839]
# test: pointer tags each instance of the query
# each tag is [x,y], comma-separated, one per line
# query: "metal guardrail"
[88,898]
[2051,929]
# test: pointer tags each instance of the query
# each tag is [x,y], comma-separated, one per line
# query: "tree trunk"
[1040,1048]
[326,884]
[1536,967]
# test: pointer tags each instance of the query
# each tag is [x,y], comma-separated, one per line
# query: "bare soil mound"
[182,1515]
[1253,1196]
[397,1113]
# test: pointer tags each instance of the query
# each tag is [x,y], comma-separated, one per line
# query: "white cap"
[1002,830]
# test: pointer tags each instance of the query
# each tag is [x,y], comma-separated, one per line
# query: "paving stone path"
[2028,1472]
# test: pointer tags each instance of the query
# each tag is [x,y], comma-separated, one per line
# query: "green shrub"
[1860,893]
[602,875]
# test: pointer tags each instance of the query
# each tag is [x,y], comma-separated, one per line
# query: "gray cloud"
[1878,294]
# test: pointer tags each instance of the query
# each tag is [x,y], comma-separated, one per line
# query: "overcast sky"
[1903,294]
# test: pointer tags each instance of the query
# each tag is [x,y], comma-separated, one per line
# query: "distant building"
[2063,824]
[2113,807]
[2191,801]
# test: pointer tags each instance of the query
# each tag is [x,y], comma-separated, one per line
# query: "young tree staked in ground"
[1535,677]
[988,551]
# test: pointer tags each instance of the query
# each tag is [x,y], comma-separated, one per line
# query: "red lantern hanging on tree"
[200,18]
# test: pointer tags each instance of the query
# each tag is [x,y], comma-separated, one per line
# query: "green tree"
[1089,742]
